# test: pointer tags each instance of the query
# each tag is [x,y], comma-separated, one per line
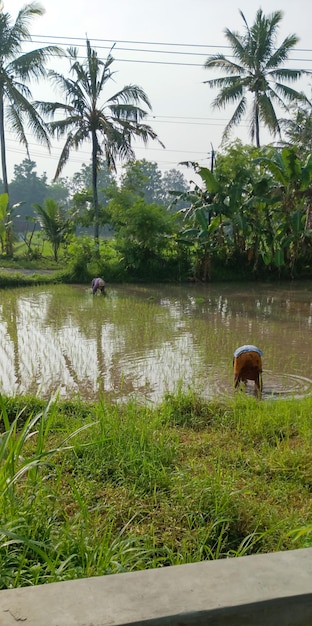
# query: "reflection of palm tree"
[10,317]
[115,122]
[256,69]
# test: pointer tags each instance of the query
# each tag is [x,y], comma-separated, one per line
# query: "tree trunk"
[2,144]
[308,222]
[257,127]
[8,234]
[95,195]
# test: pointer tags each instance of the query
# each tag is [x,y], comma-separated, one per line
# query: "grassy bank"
[95,489]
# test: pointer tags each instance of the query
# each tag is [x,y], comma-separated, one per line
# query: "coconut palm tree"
[109,124]
[256,69]
[16,70]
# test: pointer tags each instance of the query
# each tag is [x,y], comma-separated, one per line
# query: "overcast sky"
[161,45]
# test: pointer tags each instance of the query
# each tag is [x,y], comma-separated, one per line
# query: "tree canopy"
[256,69]
[17,69]
[109,122]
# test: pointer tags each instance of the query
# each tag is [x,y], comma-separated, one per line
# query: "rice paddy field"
[122,444]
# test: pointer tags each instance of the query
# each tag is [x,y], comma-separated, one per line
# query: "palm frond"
[12,36]
[16,123]
[221,62]
[49,108]
[228,94]
[289,94]
[285,74]
[69,87]
[239,47]
[62,127]
[13,87]
[267,114]
[27,111]
[127,112]
[106,73]
[31,65]
[69,144]
[130,93]
[236,118]
[281,54]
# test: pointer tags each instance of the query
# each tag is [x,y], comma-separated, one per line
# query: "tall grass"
[90,490]
[25,467]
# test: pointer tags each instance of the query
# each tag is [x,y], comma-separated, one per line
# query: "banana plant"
[6,224]
[204,217]
[290,196]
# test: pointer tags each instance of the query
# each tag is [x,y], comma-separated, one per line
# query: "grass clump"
[190,410]
[129,448]
[89,490]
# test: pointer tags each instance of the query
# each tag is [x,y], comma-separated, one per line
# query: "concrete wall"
[263,590]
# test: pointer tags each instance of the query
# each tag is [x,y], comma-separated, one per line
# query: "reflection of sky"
[7,374]
[160,370]
[125,345]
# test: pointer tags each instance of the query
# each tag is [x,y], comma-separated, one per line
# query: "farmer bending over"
[98,284]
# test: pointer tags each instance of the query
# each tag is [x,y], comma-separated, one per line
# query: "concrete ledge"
[261,590]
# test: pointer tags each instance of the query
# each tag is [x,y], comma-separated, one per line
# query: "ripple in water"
[275,386]
[285,386]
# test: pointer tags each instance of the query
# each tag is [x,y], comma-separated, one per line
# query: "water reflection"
[142,341]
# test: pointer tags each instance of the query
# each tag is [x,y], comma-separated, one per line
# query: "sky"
[160,45]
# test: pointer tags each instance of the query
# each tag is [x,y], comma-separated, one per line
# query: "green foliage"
[26,187]
[250,217]
[145,179]
[191,411]
[143,234]
[253,209]
[256,70]
[22,463]
[4,199]
[56,224]
[88,490]
[298,128]
[289,206]
[112,124]
[80,252]
[83,264]
[17,68]
[131,449]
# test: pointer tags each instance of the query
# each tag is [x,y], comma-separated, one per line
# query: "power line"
[175,52]
[53,40]
[150,43]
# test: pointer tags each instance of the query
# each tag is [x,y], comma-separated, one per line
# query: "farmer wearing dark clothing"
[97,284]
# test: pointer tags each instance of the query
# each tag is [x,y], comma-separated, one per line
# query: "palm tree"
[256,69]
[16,70]
[55,223]
[110,124]
[298,129]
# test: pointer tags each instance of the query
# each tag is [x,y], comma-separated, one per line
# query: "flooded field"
[142,342]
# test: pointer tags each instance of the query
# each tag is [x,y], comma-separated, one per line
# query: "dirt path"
[27,272]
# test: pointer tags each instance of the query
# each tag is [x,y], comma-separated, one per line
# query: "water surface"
[142,342]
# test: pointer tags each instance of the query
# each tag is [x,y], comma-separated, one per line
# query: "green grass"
[95,489]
